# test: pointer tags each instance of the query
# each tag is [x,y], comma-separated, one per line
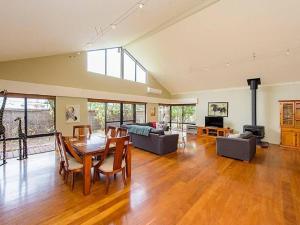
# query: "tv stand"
[214,131]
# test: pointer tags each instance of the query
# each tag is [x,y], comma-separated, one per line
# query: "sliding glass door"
[37,121]
[140,113]
[96,112]
[181,116]
[104,114]
[113,114]
[164,114]
[40,116]
[128,113]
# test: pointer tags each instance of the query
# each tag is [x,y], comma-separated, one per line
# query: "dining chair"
[111,131]
[82,130]
[61,158]
[70,164]
[121,132]
[112,164]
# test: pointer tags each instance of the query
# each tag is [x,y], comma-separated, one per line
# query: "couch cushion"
[234,135]
[157,131]
[246,135]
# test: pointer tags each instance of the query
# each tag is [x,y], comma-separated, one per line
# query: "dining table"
[93,146]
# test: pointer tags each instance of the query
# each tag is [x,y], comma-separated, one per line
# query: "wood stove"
[258,131]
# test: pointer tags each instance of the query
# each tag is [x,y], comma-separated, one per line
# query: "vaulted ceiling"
[187,46]
[222,45]
[34,28]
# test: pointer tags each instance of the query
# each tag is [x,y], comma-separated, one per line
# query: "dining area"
[94,156]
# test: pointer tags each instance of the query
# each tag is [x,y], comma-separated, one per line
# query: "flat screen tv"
[214,121]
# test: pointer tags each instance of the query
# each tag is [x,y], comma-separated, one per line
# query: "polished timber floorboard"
[192,186]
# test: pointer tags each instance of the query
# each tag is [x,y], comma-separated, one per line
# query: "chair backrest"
[111,131]
[121,149]
[122,132]
[57,144]
[62,150]
[68,146]
[82,130]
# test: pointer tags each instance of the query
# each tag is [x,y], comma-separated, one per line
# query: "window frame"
[123,52]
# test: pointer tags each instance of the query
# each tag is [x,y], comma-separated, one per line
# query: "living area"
[150,112]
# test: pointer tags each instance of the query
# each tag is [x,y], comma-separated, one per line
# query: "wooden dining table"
[89,146]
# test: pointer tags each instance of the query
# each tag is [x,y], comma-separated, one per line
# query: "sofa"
[157,142]
[242,147]
[161,126]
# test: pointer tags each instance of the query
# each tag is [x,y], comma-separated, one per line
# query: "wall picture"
[218,109]
[73,113]
[153,111]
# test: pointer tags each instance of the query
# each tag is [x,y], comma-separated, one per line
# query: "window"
[128,114]
[113,112]
[116,62]
[129,67]
[140,74]
[189,114]
[164,114]
[96,113]
[182,115]
[40,114]
[140,111]
[96,61]
[102,114]
[37,121]
[15,107]
[113,62]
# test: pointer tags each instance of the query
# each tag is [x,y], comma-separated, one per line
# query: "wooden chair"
[122,132]
[115,163]
[82,130]
[111,131]
[61,158]
[70,164]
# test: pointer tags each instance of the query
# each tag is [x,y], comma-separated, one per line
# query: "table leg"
[128,163]
[87,165]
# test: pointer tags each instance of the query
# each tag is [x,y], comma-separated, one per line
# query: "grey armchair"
[237,148]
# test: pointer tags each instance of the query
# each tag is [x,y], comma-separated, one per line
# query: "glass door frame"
[26,97]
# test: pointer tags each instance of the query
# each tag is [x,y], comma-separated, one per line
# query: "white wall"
[239,99]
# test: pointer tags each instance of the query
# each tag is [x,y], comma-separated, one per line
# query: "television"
[214,121]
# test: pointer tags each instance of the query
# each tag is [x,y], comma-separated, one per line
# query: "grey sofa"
[156,143]
[237,148]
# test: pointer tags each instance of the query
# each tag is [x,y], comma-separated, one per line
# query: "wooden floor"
[192,186]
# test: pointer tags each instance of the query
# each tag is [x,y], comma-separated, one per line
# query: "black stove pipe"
[253,83]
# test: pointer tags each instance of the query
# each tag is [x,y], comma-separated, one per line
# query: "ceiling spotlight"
[288,52]
[113,26]
[141,5]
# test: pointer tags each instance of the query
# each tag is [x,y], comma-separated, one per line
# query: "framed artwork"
[218,109]
[72,113]
[153,111]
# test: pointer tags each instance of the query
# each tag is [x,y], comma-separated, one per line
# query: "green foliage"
[99,109]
